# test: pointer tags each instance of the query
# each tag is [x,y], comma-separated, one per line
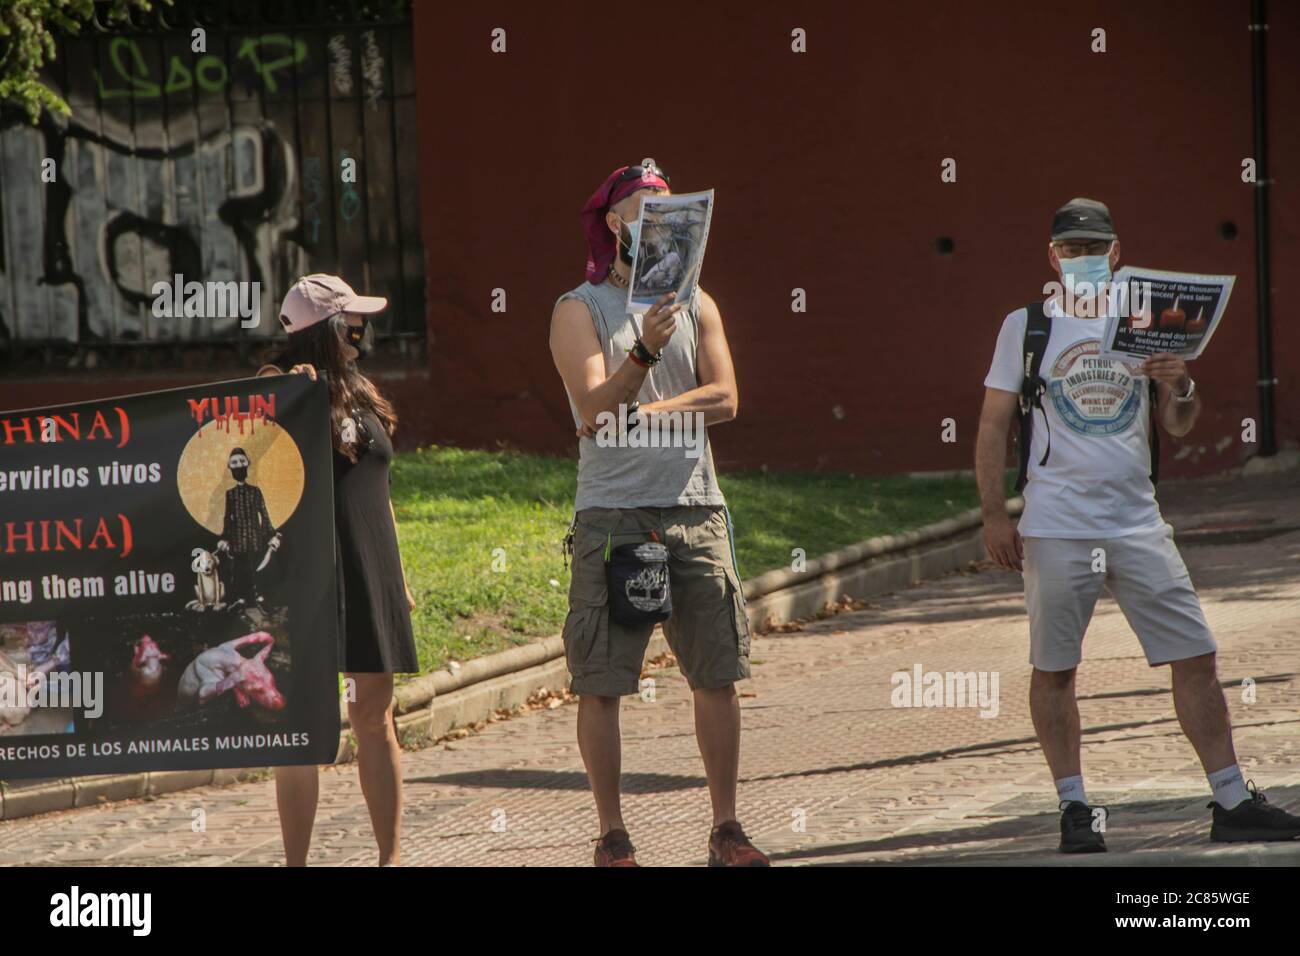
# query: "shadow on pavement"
[1173,830]
[561,780]
[1157,691]
[984,749]
[959,596]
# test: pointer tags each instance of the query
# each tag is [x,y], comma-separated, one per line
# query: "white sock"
[1228,787]
[1071,788]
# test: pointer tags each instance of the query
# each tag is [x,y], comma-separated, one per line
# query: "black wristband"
[644,354]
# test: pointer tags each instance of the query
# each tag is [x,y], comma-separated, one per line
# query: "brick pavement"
[831,772]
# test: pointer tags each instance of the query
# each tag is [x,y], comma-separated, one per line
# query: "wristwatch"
[1191,391]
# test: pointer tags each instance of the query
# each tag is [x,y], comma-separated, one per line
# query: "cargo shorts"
[708,631]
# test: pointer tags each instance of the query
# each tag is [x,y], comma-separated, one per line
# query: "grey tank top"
[622,476]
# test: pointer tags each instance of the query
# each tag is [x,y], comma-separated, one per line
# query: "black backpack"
[1038,329]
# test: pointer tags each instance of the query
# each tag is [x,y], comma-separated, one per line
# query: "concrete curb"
[890,572]
[850,563]
[27,798]
[1286,459]
[431,706]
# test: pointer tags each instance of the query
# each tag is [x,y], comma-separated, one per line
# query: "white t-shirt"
[1096,483]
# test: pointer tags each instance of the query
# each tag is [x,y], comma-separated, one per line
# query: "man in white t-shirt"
[1091,518]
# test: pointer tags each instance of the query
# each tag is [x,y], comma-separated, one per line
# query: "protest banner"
[167,582]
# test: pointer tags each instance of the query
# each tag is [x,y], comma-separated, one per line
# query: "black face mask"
[361,338]
[240,473]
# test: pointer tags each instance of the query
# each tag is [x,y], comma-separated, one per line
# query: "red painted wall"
[826,166]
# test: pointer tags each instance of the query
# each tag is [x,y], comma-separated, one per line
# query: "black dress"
[374,619]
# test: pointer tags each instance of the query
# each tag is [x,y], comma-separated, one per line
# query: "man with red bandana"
[658,503]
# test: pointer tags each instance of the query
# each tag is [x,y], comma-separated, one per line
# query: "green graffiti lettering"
[139,86]
[206,65]
[252,48]
[179,77]
[209,71]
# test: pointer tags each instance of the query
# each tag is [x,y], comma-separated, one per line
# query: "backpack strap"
[1038,329]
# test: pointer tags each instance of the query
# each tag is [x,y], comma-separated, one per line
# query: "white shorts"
[1148,579]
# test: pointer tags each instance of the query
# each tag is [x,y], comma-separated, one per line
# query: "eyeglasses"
[1073,248]
[635,171]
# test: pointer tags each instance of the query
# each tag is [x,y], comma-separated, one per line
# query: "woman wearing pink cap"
[328,326]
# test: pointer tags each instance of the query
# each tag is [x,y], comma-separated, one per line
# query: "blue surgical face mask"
[1093,270]
[625,250]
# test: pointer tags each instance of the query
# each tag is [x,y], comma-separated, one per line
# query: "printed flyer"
[672,233]
[1157,311]
[167,584]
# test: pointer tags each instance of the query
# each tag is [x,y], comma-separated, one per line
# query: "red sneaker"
[728,846]
[615,849]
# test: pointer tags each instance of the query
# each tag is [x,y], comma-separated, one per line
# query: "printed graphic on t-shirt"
[1093,396]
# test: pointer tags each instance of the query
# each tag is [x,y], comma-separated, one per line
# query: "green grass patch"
[776,513]
[480,534]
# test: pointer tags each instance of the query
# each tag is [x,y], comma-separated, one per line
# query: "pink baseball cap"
[316,297]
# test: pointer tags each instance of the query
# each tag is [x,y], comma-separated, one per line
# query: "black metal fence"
[229,162]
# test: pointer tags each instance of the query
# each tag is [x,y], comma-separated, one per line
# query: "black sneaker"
[1077,832]
[1252,820]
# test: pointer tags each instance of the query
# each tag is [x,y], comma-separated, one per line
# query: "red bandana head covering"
[601,244]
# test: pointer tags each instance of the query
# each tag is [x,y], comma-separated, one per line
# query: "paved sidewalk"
[832,773]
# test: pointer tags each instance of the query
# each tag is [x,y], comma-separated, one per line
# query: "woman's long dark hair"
[321,345]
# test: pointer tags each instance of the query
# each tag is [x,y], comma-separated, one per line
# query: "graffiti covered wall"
[221,164]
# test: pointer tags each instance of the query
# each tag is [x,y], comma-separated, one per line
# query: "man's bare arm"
[1003,541]
[1169,372]
[575,347]
[991,449]
[1178,418]
[717,396]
